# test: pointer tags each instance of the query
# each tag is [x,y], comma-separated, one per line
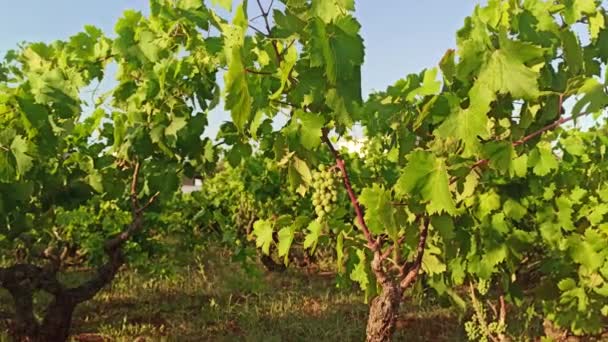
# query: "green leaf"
[432,265]
[542,159]
[445,225]
[427,176]
[470,184]
[338,48]
[573,53]
[148,45]
[287,64]
[237,153]
[120,130]
[312,238]
[176,124]
[448,66]
[520,165]
[359,274]
[491,258]
[564,212]
[593,97]
[238,98]
[340,253]
[576,8]
[488,202]
[379,213]
[262,230]
[504,73]
[225,4]
[501,155]
[596,24]
[574,145]
[429,86]
[597,214]
[566,284]
[95,180]
[328,10]
[302,169]
[19,148]
[514,210]
[7,168]
[467,125]
[310,129]
[285,237]
[193,4]
[583,253]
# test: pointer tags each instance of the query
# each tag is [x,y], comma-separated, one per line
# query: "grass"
[216,300]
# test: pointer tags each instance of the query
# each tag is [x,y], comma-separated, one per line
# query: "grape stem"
[560,121]
[373,244]
[413,268]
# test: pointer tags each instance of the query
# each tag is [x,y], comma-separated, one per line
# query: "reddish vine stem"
[136,211]
[390,248]
[150,201]
[527,138]
[371,243]
[408,279]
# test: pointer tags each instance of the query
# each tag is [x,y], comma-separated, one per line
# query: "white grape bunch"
[325,194]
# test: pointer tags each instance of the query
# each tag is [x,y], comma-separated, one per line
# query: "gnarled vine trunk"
[383,313]
[23,280]
[57,320]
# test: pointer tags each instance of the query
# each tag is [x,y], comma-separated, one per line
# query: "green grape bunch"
[325,194]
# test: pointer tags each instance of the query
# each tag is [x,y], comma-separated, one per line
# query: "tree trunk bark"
[54,328]
[26,326]
[57,321]
[383,313]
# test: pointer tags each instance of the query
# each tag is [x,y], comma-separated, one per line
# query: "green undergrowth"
[213,299]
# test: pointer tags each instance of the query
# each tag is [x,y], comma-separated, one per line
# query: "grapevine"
[470,173]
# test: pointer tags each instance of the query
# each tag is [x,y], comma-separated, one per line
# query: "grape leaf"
[379,213]
[427,176]
[285,237]
[238,98]
[312,238]
[262,230]
[225,4]
[310,129]
[19,147]
[542,159]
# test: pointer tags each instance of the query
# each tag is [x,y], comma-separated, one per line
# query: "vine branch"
[409,277]
[371,243]
[267,24]
[525,139]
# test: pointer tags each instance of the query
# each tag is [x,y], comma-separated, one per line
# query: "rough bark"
[23,280]
[57,320]
[383,313]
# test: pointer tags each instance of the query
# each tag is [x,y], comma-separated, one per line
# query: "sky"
[401,36]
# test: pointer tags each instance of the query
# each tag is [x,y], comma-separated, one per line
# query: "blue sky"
[401,36]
